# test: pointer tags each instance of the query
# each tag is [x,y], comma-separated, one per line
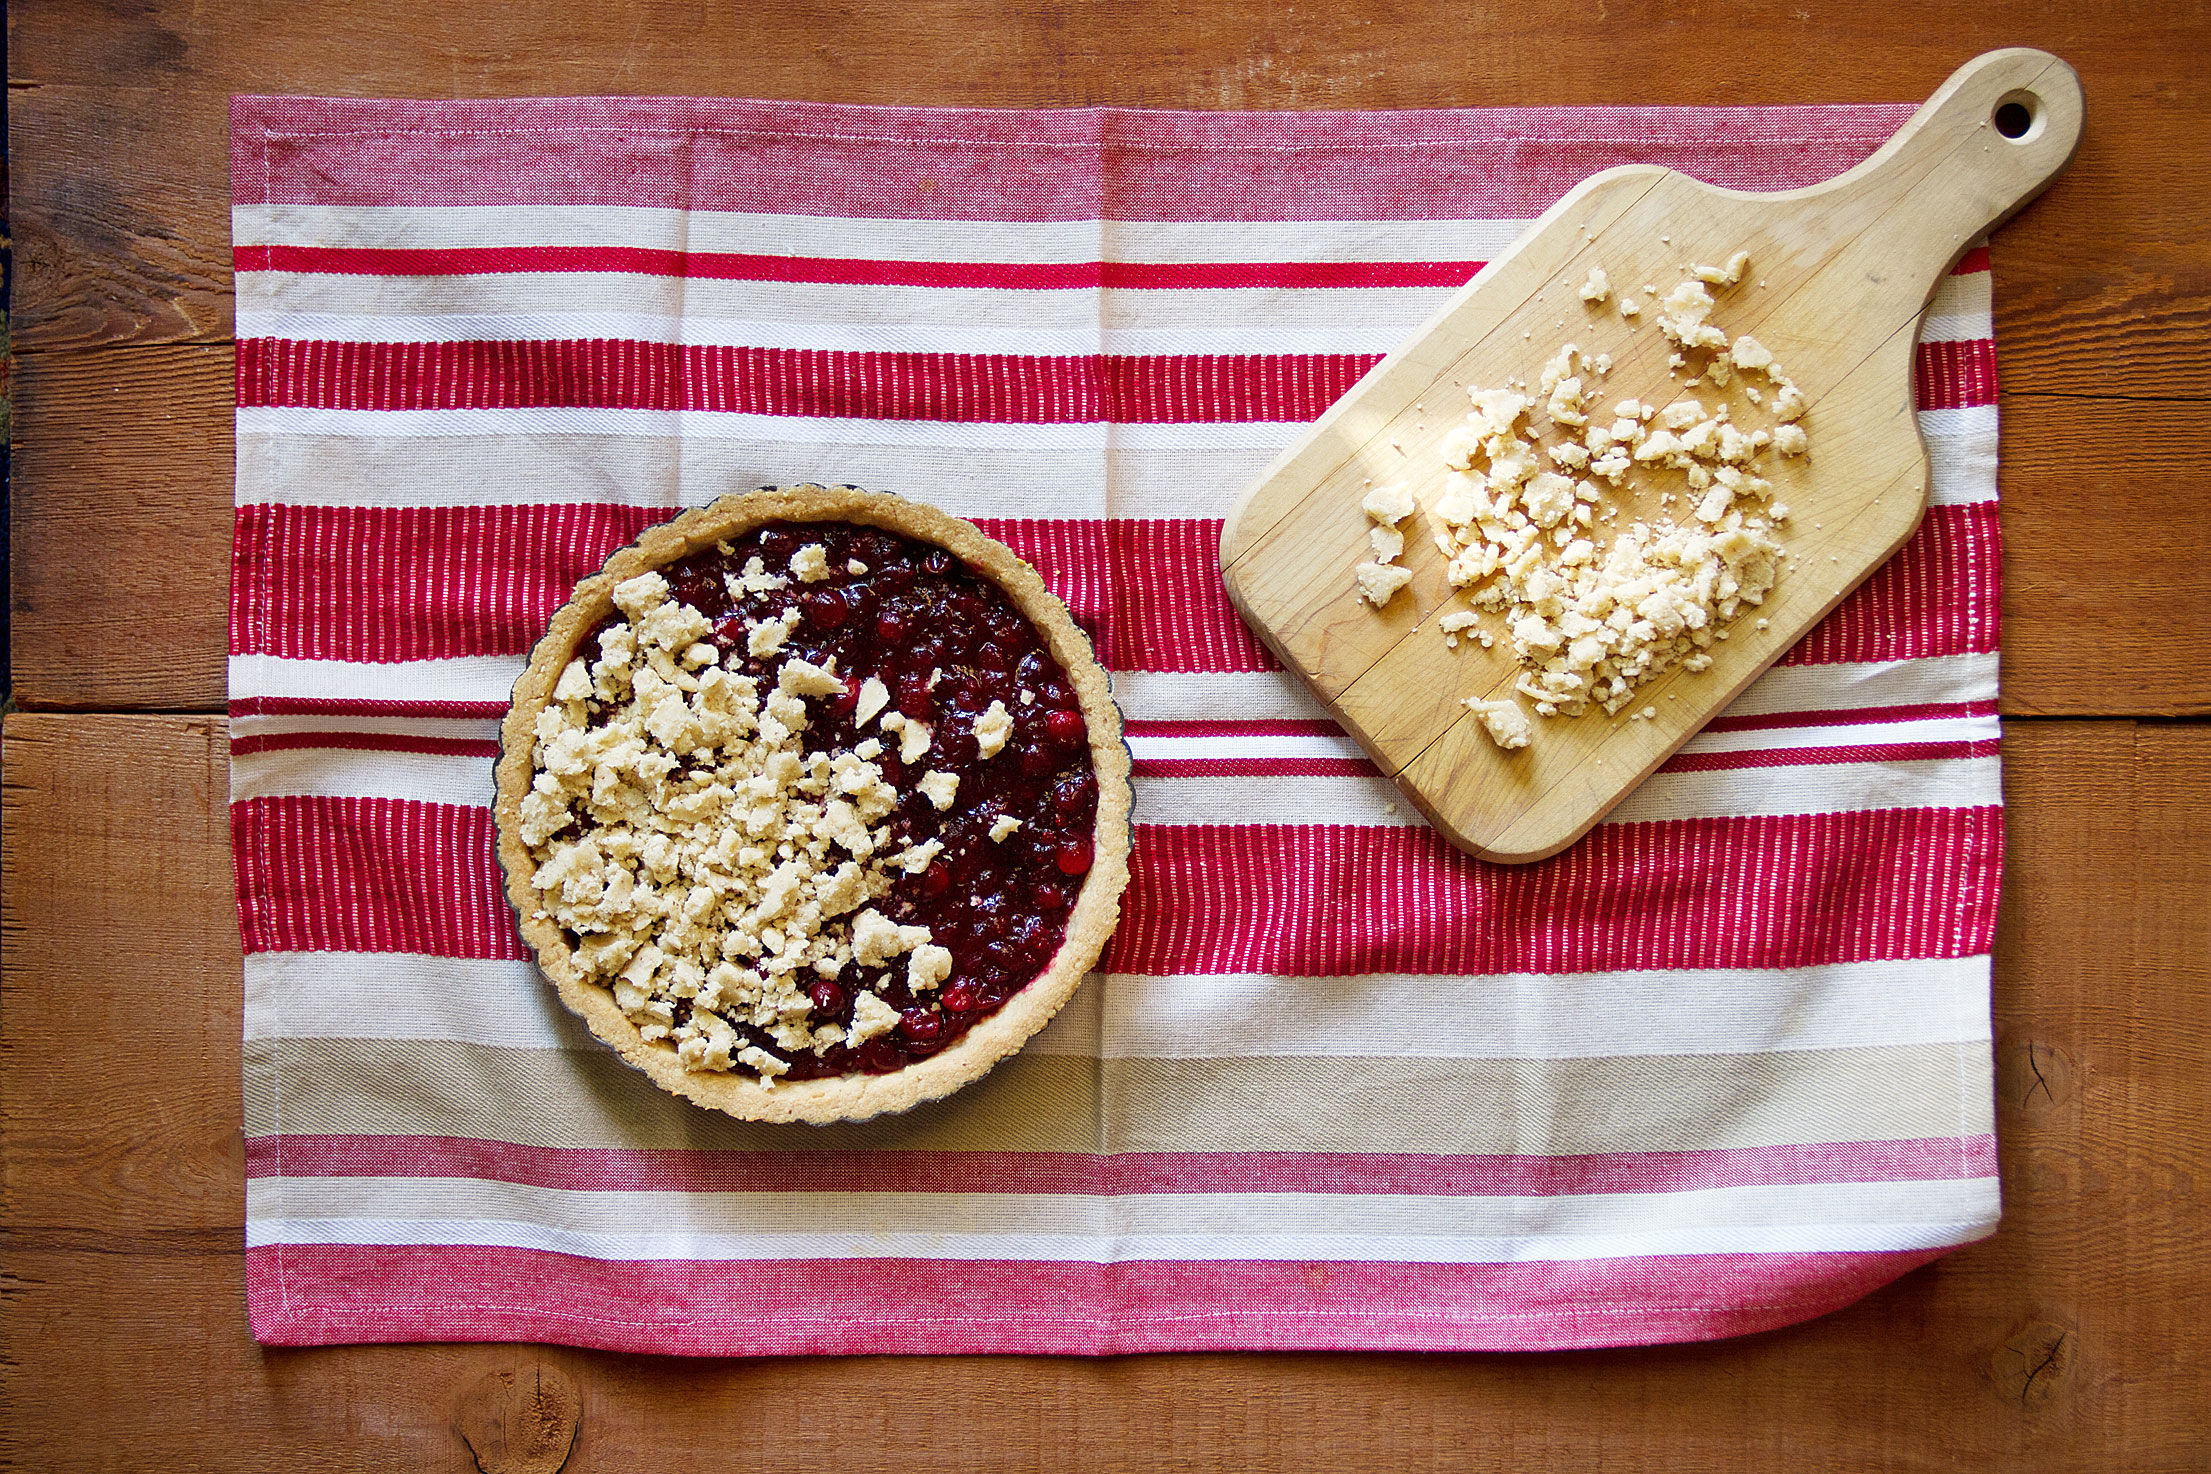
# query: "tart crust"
[1090,920]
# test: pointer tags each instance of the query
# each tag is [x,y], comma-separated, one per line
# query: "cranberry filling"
[946,643]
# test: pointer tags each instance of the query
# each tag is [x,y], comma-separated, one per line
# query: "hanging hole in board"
[2018,116]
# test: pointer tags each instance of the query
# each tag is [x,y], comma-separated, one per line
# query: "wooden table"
[2075,1339]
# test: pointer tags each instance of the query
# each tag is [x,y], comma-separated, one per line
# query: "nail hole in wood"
[2015,117]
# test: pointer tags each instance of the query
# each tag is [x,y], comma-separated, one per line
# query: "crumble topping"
[1378,581]
[721,864]
[992,729]
[871,1019]
[940,788]
[1525,512]
[1508,726]
[928,966]
[760,881]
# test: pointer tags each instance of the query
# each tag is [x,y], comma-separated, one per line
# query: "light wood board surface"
[2069,1341]
[1834,281]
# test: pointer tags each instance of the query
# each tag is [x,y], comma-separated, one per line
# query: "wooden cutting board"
[1840,276]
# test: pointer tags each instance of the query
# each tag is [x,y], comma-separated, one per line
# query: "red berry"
[828,999]
[827,609]
[1073,856]
[890,627]
[961,998]
[936,880]
[876,547]
[699,587]
[1048,897]
[1065,728]
[1072,792]
[920,1025]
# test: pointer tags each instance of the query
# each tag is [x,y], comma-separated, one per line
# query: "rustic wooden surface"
[2072,1340]
[1839,276]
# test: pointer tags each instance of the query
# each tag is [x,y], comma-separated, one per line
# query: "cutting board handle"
[1989,139]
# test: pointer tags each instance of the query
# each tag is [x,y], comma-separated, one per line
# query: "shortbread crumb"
[1596,608]
[1507,725]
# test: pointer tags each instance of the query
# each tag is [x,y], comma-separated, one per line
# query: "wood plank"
[2097,1078]
[2107,608]
[119,198]
[120,528]
[2069,1341]
[119,132]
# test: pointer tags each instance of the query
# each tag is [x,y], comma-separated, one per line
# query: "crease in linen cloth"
[1721,1066]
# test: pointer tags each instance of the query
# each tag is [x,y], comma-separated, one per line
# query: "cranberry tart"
[813,803]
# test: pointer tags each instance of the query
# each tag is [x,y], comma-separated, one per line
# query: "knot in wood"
[2032,1362]
[2034,1075]
[520,1420]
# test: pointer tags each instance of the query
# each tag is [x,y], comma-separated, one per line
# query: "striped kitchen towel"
[1721,1066]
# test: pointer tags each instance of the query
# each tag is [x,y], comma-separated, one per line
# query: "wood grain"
[2107,607]
[122,610]
[522,1419]
[119,199]
[119,130]
[2070,1341]
[1839,276]
[120,211]
[2067,1342]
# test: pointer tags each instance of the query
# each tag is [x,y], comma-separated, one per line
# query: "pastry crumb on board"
[1527,498]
